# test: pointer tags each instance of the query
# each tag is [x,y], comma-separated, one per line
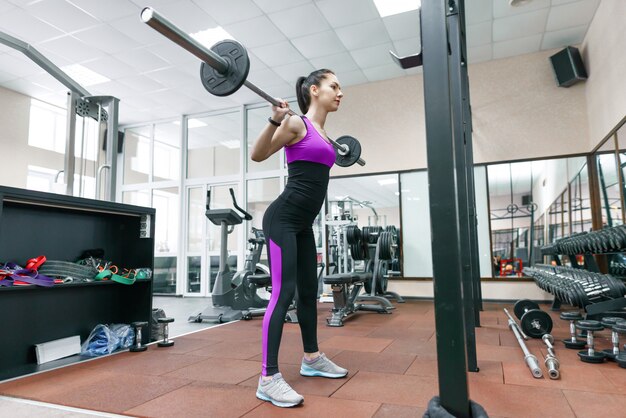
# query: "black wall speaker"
[525,200]
[120,141]
[568,67]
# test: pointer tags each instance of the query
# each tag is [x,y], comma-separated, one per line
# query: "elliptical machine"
[234,294]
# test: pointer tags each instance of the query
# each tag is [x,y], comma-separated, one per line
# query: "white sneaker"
[323,367]
[278,392]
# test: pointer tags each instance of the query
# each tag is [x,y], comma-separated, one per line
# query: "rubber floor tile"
[487,336]
[418,348]
[615,376]
[416,334]
[184,345]
[501,353]
[292,354]
[389,388]
[399,411]
[315,406]
[45,385]
[488,370]
[229,349]
[374,362]
[118,393]
[600,405]
[200,399]
[515,401]
[219,370]
[350,329]
[151,362]
[375,345]
[304,385]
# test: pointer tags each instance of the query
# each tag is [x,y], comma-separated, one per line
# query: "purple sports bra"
[313,147]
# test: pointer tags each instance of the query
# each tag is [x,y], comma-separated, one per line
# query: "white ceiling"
[155,79]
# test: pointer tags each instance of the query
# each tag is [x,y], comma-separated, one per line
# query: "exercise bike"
[234,294]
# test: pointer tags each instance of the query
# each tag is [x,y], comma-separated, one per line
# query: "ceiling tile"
[479,34]
[478,11]
[187,16]
[352,78]
[5,6]
[559,2]
[230,11]
[347,12]
[300,21]
[291,72]
[107,39]
[383,72]
[271,6]
[255,32]
[26,27]
[110,67]
[571,14]
[115,89]
[479,53]
[373,56]
[61,14]
[270,56]
[27,88]
[17,63]
[363,34]
[170,77]
[563,38]
[175,54]
[403,25]
[141,83]
[502,8]
[5,76]
[338,63]
[132,27]
[70,48]
[405,47]
[106,11]
[518,26]
[319,44]
[47,81]
[516,46]
[142,60]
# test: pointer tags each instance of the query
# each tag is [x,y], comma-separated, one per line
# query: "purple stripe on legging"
[277,277]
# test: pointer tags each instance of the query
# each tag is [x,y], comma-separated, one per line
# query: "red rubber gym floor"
[392,363]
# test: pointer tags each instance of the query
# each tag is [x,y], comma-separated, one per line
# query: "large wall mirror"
[532,203]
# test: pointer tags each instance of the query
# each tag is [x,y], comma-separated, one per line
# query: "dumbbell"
[551,362]
[166,341]
[533,321]
[590,355]
[572,342]
[138,345]
[617,326]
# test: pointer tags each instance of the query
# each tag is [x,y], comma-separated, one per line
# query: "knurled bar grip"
[174,34]
[531,360]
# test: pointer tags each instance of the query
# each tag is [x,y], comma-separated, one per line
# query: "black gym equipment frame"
[451,193]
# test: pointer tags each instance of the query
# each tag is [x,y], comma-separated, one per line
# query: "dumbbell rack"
[605,292]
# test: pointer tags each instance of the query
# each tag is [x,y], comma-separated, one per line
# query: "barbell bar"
[166,28]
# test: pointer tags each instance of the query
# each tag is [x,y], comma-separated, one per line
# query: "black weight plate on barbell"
[353,154]
[226,84]
[522,305]
[536,323]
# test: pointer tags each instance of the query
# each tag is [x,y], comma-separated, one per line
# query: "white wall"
[603,54]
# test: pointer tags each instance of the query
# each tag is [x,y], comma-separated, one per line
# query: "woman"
[287,225]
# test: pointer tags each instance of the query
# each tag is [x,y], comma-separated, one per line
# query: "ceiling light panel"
[392,7]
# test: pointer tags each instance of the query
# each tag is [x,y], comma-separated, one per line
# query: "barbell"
[225,67]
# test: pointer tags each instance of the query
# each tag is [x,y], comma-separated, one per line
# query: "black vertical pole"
[469,164]
[444,217]
[456,100]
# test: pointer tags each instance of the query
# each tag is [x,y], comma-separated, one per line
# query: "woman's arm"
[272,138]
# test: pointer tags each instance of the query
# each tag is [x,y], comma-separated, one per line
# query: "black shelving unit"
[61,228]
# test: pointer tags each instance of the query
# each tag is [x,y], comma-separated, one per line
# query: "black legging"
[293,261]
